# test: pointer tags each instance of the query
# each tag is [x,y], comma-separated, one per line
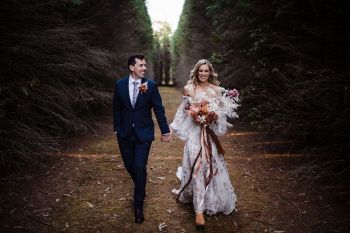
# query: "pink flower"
[233,93]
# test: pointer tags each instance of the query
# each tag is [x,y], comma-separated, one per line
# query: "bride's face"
[203,73]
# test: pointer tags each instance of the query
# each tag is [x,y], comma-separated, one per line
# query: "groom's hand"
[166,137]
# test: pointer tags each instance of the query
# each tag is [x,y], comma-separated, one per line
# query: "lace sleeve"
[182,123]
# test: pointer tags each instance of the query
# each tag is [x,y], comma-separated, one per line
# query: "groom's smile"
[139,69]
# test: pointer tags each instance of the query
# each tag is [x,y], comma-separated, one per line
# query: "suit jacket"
[140,117]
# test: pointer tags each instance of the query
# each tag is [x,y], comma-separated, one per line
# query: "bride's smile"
[203,73]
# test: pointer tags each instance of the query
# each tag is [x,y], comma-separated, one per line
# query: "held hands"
[166,137]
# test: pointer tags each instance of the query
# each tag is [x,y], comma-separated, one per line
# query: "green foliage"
[290,61]
[142,21]
[178,40]
[163,35]
[59,61]
[191,41]
[73,7]
[161,51]
[274,53]
[76,2]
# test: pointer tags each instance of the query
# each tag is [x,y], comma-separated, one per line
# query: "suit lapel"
[126,91]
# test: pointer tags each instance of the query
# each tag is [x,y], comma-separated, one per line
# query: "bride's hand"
[166,138]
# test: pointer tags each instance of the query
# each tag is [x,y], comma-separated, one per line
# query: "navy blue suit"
[135,130]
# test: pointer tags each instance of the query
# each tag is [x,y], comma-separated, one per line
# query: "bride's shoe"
[200,221]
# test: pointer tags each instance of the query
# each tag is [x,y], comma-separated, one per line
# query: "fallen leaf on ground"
[90,205]
[153,182]
[162,226]
[175,191]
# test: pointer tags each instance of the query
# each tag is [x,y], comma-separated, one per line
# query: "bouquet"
[201,112]
[206,113]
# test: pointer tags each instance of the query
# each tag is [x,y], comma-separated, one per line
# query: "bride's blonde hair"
[194,73]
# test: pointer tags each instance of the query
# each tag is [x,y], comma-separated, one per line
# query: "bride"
[200,118]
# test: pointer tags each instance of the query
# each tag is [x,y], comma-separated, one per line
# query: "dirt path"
[88,190]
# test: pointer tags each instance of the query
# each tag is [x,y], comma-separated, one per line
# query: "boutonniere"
[143,87]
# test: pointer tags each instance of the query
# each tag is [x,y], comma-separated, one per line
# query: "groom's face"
[139,69]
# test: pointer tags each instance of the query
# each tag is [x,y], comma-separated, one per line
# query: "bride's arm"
[185,91]
[180,126]
[188,90]
[219,94]
[180,113]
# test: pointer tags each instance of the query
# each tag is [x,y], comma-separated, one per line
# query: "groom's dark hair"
[132,59]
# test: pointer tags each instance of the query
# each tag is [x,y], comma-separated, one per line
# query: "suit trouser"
[135,157]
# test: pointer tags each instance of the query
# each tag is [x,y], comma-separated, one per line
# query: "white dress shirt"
[131,86]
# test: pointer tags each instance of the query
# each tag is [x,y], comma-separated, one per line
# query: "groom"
[134,97]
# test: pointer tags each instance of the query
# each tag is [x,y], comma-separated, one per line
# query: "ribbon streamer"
[207,136]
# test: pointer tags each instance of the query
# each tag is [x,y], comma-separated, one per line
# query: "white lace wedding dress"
[210,188]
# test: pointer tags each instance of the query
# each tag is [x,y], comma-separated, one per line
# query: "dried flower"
[143,87]
[200,113]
